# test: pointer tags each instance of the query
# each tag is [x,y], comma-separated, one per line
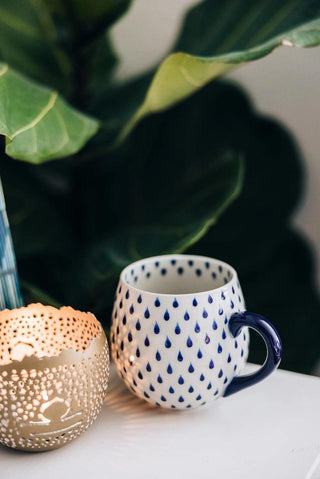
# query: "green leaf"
[217,36]
[164,201]
[29,42]
[38,124]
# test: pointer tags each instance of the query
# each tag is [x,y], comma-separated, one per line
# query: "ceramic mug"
[179,335]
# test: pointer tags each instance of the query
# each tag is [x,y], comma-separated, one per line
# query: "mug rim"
[187,257]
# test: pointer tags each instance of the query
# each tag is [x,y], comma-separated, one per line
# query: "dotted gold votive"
[54,370]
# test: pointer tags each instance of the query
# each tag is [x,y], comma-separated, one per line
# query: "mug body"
[170,338]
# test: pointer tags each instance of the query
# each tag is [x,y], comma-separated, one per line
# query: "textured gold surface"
[54,369]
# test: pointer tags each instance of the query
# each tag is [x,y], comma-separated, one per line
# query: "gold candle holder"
[54,370]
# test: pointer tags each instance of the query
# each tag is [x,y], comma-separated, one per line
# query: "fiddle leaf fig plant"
[98,173]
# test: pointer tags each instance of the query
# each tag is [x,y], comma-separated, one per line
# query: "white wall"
[285,85]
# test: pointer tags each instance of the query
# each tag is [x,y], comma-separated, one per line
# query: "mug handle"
[273,343]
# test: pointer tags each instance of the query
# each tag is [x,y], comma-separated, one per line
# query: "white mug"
[179,335]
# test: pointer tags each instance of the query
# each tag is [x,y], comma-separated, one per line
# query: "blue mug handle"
[273,343]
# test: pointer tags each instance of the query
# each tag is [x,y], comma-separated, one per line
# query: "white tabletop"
[269,431]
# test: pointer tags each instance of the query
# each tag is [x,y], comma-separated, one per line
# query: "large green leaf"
[29,42]
[164,201]
[38,124]
[217,36]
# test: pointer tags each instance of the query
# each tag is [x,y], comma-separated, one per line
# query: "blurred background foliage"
[97,174]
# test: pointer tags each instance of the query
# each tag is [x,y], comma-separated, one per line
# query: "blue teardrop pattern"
[195,302]
[139,299]
[129,336]
[198,397]
[121,346]
[242,352]
[191,369]
[180,357]
[159,379]
[211,364]
[180,270]
[225,380]
[210,300]
[173,262]
[166,316]
[190,390]
[118,329]
[146,395]
[158,356]
[220,311]
[157,303]
[220,373]
[138,325]
[156,329]
[224,334]
[169,369]
[138,353]
[148,367]
[140,375]
[202,377]
[121,304]
[186,316]
[151,388]
[236,344]
[147,314]
[214,325]
[163,398]
[209,386]
[216,393]
[181,380]
[226,320]
[147,342]
[199,354]
[190,262]
[177,329]
[171,390]
[127,294]
[131,309]
[231,304]
[229,358]
[219,348]
[207,339]
[214,275]
[124,320]
[181,399]
[198,272]
[204,314]
[197,328]
[189,342]
[163,271]
[175,304]
[167,343]
[223,297]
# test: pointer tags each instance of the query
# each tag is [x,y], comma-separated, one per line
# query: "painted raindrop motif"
[189,342]
[204,314]
[197,328]
[151,388]
[167,343]
[157,303]
[147,314]
[219,348]
[169,369]
[229,359]
[127,294]
[177,329]
[131,309]
[147,342]
[171,390]
[159,379]
[156,329]
[199,354]
[211,364]
[207,339]
[220,373]
[140,375]
[129,336]
[138,325]
[195,302]
[186,316]
[166,316]
[210,300]
[191,368]
[180,357]
[158,356]
[180,270]
[202,377]
[181,380]
[138,353]
[139,299]
[148,367]
[190,390]
[214,325]
[224,335]
[124,320]
[175,304]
